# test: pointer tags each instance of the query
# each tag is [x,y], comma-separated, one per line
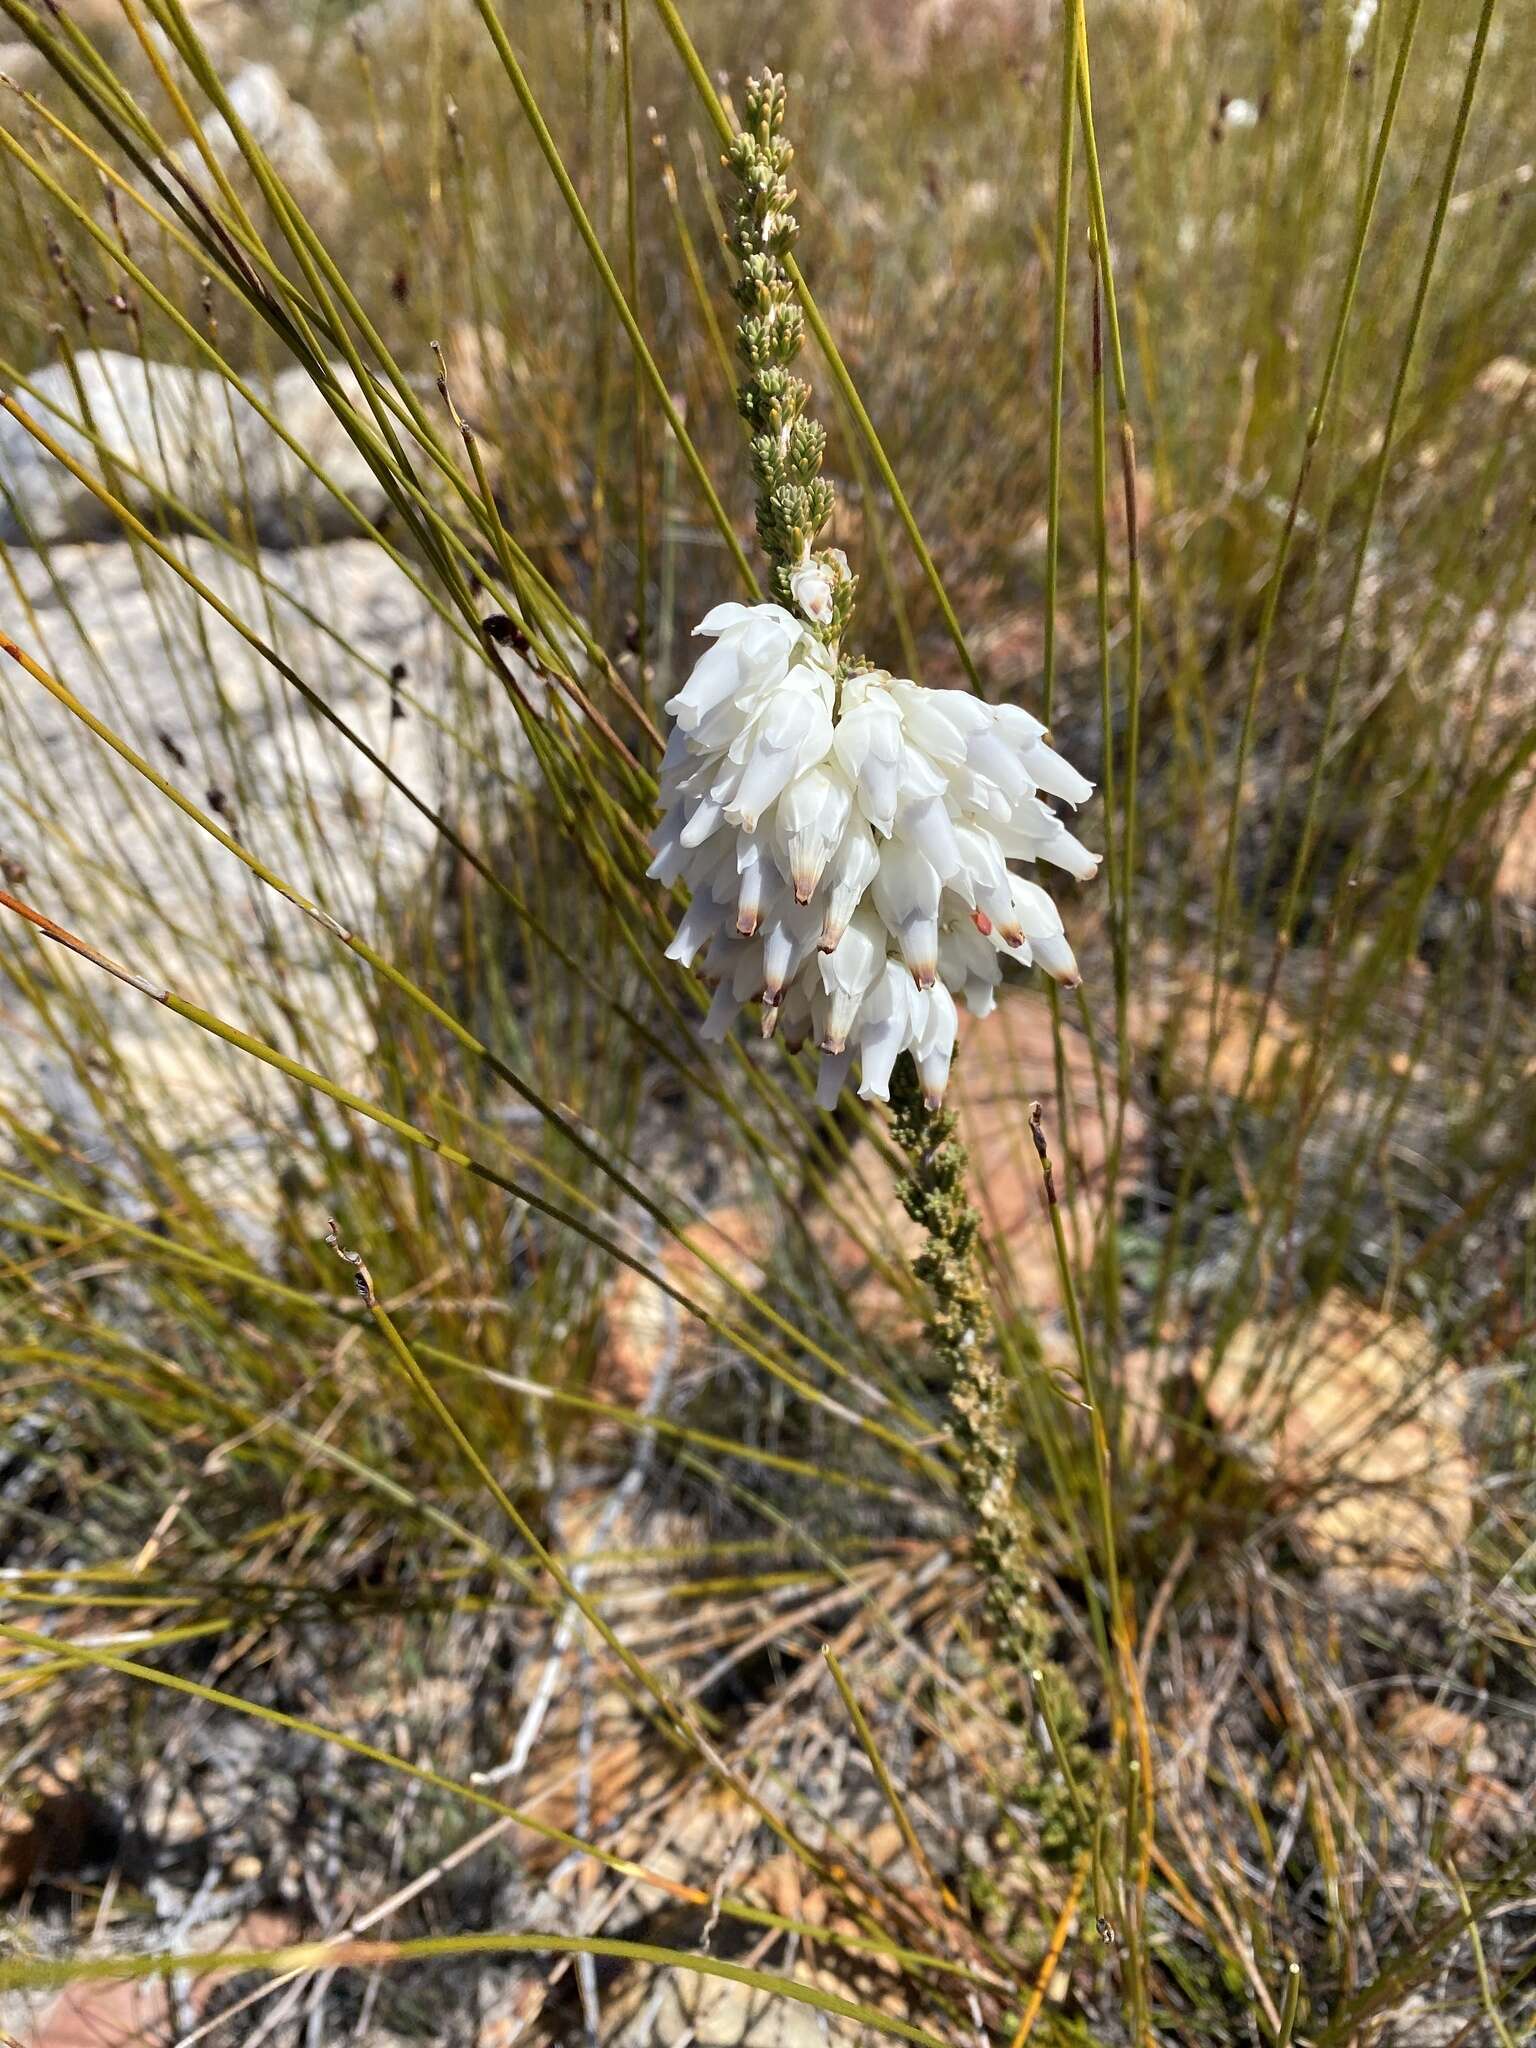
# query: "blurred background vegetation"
[486,1605]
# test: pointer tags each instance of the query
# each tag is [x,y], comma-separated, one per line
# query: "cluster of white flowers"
[852,876]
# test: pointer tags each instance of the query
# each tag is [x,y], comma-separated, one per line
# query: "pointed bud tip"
[747,924]
[833,1043]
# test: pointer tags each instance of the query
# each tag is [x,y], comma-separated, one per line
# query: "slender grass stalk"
[454,1156]
[551,154]
[1289,2010]
[1383,461]
[884,1780]
[1059,283]
[354,1954]
[1316,420]
[641,439]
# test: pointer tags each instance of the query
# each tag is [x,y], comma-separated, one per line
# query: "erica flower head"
[848,850]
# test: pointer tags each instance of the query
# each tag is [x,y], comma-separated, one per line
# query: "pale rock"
[1359,1430]
[172,432]
[86,839]
[681,2006]
[286,132]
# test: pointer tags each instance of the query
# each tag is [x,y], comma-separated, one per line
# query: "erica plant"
[845,834]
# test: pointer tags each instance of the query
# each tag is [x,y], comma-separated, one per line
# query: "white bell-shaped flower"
[847,973]
[906,893]
[847,876]
[934,1024]
[812,818]
[885,1027]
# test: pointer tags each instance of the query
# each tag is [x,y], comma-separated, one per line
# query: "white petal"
[906,893]
[926,822]
[715,680]
[1069,852]
[968,964]
[829,1080]
[846,974]
[885,1026]
[788,938]
[1056,957]
[868,745]
[990,757]
[790,734]
[756,875]
[934,1042]
[670,851]
[1057,777]
[795,1024]
[1036,913]
[848,876]
[722,617]
[723,1012]
[811,586]
[984,882]
[809,822]
[702,825]
[700,921]
[1016,726]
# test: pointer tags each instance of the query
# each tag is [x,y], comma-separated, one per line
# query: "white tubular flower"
[983,882]
[701,920]
[758,878]
[1044,939]
[851,875]
[752,650]
[934,1024]
[789,939]
[969,965]
[847,974]
[906,893]
[812,588]
[812,818]
[848,874]
[831,1077]
[868,744]
[885,1026]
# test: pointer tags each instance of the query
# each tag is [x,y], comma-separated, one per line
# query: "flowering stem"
[694,64]
[1004,1543]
